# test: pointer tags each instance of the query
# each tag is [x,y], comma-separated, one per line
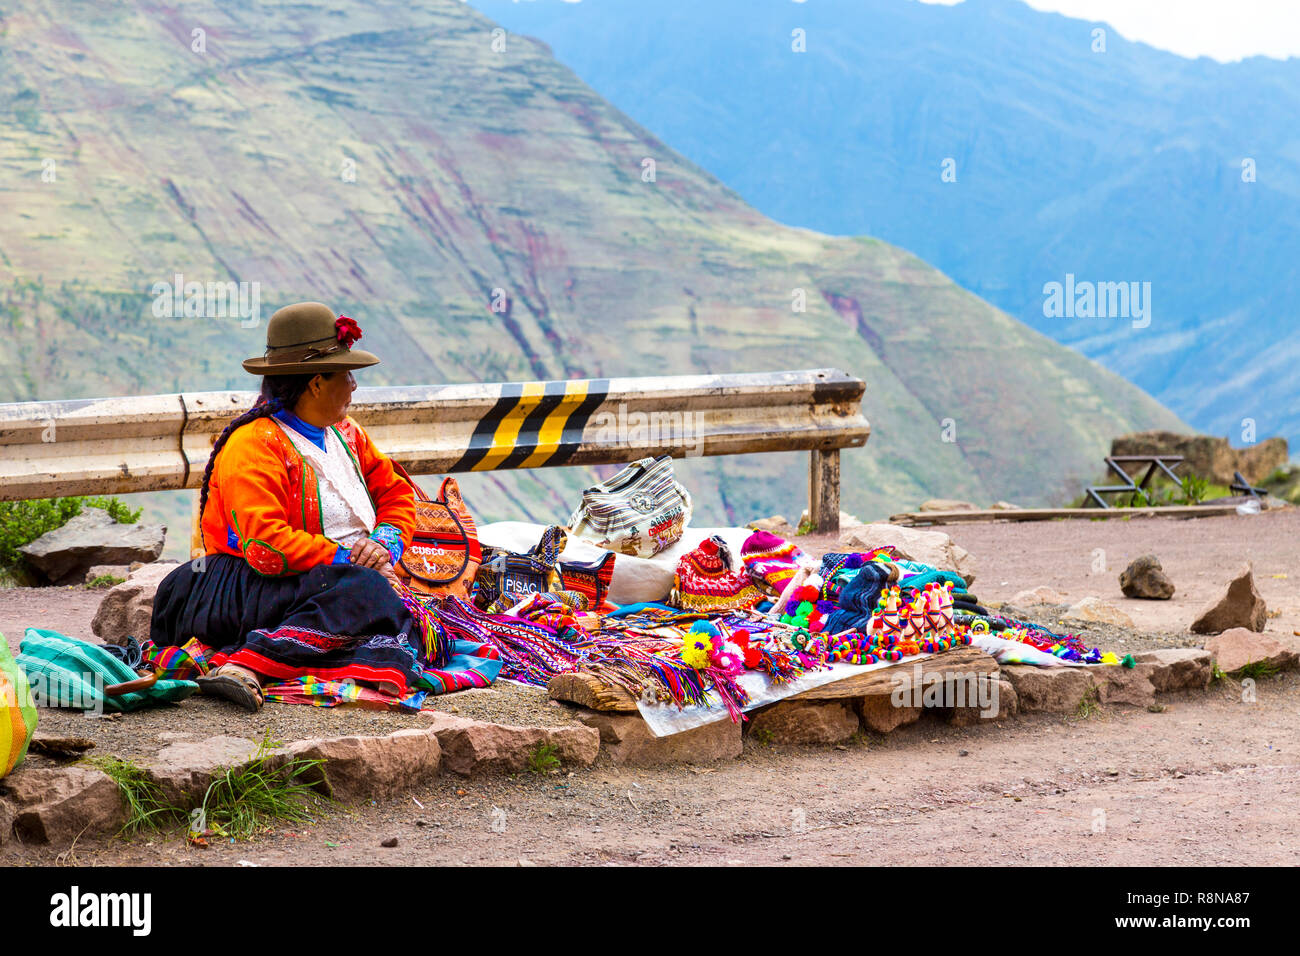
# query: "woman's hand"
[371,554]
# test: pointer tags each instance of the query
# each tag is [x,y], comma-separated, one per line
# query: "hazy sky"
[1222,29]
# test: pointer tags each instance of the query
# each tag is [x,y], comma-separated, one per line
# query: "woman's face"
[332,395]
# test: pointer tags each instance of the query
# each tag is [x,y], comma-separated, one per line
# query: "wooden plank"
[824,490]
[959,661]
[918,518]
[588,691]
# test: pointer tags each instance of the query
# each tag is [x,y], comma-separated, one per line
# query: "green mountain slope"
[395,161]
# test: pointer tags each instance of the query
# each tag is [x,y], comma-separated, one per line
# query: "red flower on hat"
[348,331]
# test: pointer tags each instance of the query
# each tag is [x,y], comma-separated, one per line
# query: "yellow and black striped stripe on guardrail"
[533,424]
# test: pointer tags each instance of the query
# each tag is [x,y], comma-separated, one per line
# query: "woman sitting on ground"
[302,519]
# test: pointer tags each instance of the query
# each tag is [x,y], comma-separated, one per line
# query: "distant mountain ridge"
[416,168]
[1131,164]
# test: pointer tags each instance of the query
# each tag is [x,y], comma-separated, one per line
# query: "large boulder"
[929,547]
[1144,578]
[1239,605]
[1206,456]
[127,608]
[1234,649]
[92,538]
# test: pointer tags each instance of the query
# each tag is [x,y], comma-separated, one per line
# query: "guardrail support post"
[824,490]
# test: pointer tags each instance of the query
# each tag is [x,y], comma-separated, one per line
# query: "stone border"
[60,804]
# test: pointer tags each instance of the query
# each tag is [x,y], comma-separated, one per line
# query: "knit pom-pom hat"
[705,581]
[771,561]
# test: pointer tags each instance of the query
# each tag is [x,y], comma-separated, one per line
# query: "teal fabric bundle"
[66,672]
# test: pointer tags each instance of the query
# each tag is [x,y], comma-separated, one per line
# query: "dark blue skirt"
[334,622]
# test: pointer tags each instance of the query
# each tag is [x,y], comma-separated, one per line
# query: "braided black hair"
[278,391]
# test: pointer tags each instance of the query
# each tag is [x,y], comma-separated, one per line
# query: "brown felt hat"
[307,338]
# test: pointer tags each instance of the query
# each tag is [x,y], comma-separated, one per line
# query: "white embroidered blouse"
[346,509]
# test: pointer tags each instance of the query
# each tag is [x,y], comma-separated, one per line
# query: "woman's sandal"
[234,687]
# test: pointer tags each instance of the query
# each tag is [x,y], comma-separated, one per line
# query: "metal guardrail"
[158,442]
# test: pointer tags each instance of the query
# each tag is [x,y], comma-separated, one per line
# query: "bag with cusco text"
[443,554]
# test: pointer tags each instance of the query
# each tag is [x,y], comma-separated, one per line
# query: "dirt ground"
[1211,779]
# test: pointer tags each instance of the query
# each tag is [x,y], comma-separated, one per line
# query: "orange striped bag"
[17,714]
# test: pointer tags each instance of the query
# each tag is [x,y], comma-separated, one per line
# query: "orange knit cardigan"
[264,498]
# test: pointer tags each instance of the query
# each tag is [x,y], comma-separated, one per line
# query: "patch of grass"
[764,736]
[146,806]
[1194,490]
[1089,706]
[1257,670]
[104,581]
[543,759]
[805,527]
[1216,673]
[247,800]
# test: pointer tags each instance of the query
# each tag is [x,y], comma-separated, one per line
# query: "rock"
[1144,578]
[476,746]
[1240,605]
[1056,690]
[628,740]
[389,843]
[776,525]
[846,520]
[1234,649]
[1096,610]
[1008,701]
[119,571]
[91,538]
[58,805]
[929,547]
[948,504]
[805,722]
[360,768]
[1178,668]
[878,713]
[127,608]
[1206,456]
[1005,506]
[993,699]
[1039,595]
[185,768]
[1125,685]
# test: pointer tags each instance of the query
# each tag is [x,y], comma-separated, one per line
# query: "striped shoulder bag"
[639,511]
